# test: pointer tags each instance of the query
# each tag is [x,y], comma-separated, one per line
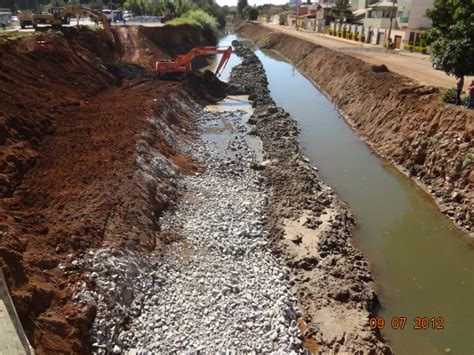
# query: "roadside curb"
[13,339]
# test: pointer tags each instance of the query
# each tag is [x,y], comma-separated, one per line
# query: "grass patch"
[264,38]
[11,37]
[94,28]
[198,18]
[183,21]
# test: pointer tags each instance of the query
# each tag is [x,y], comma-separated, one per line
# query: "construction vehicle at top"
[183,63]
[113,15]
[25,17]
[56,18]
[59,16]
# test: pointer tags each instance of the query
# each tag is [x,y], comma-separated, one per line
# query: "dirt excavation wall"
[75,168]
[144,45]
[404,122]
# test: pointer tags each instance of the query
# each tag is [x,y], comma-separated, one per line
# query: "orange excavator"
[183,63]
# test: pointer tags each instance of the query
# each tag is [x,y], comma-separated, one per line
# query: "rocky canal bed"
[218,287]
[258,253]
[310,229]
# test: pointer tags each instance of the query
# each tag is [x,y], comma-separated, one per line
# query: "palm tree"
[341,9]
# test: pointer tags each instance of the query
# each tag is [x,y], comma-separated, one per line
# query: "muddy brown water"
[219,132]
[423,265]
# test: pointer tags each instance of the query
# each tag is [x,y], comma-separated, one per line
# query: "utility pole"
[297,15]
[394,2]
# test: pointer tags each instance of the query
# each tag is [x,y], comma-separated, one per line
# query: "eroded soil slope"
[71,134]
[145,45]
[404,122]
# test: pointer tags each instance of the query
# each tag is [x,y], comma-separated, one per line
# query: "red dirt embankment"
[404,122]
[144,45]
[69,179]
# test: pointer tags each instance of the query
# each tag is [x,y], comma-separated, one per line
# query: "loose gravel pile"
[219,287]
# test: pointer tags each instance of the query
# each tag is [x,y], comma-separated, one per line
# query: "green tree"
[218,12]
[9,4]
[175,8]
[341,9]
[246,12]
[452,37]
[241,5]
[201,19]
[54,3]
[182,6]
[209,6]
[230,14]
[136,6]
[253,14]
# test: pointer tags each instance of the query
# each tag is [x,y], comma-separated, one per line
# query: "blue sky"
[251,2]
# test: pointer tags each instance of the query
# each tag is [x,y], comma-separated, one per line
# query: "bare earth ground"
[70,134]
[417,67]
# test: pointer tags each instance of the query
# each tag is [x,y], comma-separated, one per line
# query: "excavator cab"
[57,11]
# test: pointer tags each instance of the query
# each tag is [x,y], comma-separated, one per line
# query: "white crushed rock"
[219,288]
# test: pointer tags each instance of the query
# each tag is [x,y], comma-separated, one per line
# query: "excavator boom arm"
[182,63]
[79,10]
[225,58]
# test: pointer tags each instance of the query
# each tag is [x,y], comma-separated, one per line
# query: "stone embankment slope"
[404,122]
[309,227]
[218,287]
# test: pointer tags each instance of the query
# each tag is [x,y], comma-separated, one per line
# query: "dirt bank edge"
[310,229]
[406,123]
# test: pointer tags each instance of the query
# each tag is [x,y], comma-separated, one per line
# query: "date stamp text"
[416,323]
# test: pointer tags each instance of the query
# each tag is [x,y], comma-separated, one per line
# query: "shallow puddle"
[235,111]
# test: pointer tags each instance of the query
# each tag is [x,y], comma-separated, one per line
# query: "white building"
[412,14]
[354,4]
[407,17]
[294,3]
[361,4]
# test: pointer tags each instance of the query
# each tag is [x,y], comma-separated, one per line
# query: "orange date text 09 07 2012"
[417,323]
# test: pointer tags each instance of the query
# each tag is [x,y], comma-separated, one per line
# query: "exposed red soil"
[68,175]
[407,123]
[146,45]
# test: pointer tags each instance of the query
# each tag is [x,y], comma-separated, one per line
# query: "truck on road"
[59,16]
[25,17]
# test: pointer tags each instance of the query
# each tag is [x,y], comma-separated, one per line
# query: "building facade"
[361,4]
[373,21]
[412,14]
[407,19]
[294,3]
[5,17]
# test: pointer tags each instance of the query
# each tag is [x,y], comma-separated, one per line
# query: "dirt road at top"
[411,66]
